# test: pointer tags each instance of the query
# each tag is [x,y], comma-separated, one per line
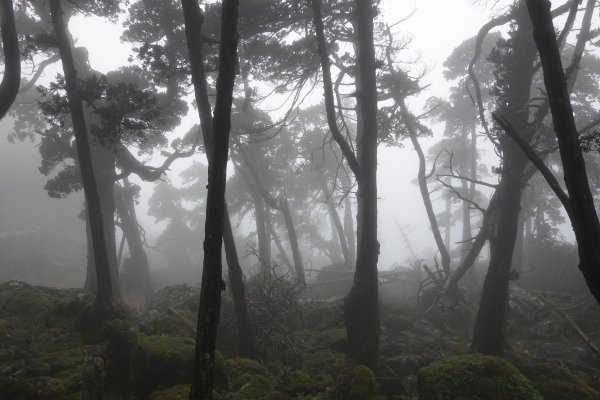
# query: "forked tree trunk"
[104,294]
[212,283]
[193,30]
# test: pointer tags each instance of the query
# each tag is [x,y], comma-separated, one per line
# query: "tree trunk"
[583,213]
[131,231]
[488,336]
[246,346]
[193,30]
[212,283]
[349,230]
[9,87]
[337,228]
[361,307]
[264,258]
[104,293]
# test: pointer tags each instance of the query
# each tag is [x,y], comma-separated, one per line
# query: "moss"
[172,325]
[236,368]
[160,361]
[178,392]
[335,339]
[294,382]
[474,377]
[558,383]
[357,383]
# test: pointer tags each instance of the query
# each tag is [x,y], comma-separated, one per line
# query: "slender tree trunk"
[269,232]
[212,283]
[9,87]
[337,228]
[488,336]
[422,179]
[472,276]
[361,308]
[246,345]
[583,213]
[261,231]
[280,204]
[104,293]
[349,230]
[193,30]
[282,253]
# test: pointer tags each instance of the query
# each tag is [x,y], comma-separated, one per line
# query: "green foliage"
[474,377]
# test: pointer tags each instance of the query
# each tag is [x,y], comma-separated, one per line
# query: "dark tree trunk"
[125,205]
[488,335]
[467,228]
[361,307]
[9,87]
[104,293]
[583,214]
[193,31]
[212,283]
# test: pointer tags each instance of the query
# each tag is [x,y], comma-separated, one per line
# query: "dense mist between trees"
[299,199]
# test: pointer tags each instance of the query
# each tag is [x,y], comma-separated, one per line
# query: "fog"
[412,200]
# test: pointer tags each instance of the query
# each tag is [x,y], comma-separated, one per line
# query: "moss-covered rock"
[357,383]
[474,377]
[160,361]
[295,382]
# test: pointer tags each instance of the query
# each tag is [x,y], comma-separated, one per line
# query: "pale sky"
[436,28]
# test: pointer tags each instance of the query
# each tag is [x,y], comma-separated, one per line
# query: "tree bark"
[361,307]
[488,335]
[583,214]
[264,257]
[193,30]
[212,283]
[104,294]
[9,87]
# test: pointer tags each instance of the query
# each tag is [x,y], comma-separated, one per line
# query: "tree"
[579,202]
[104,294]
[9,87]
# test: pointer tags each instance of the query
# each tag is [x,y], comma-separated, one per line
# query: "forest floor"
[423,355]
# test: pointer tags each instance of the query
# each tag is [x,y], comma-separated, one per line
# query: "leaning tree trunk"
[193,30]
[9,87]
[584,218]
[104,294]
[488,335]
[361,307]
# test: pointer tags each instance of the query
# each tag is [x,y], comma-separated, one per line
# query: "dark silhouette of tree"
[9,87]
